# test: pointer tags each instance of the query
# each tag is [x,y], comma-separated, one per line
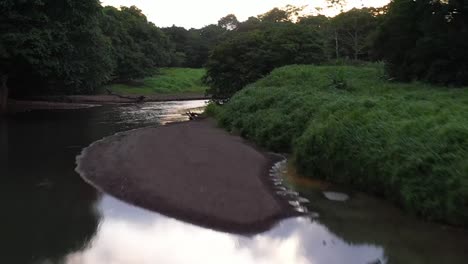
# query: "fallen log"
[138,99]
[191,115]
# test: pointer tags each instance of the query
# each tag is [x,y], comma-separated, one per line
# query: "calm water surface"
[49,215]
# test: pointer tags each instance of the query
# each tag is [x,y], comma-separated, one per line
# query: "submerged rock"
[336,196]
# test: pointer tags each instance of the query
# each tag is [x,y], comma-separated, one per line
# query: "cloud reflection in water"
[129,235]
[157,112]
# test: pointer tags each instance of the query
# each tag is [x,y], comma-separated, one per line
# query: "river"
[50,215]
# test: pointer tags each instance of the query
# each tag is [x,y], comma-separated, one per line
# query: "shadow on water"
[48,211]
[49,215]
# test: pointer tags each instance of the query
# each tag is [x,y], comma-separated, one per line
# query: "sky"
[199,13]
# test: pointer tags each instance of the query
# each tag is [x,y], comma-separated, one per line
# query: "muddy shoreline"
[192,171]
[86,101]
[112,99]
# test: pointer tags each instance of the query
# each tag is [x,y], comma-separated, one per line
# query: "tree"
[229,22]
[287,14]
[251,23]
[51,44]
[18,47]
[320,24]
[425,40]
[179,37]
[192,47]
[138,46]
[247,56]
[352,31]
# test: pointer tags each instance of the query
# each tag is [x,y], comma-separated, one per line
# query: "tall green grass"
[406,142]
[165,81]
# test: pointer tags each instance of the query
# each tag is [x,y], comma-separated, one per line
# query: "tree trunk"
[4,94]
[356,46]
[3,147]
[337,48]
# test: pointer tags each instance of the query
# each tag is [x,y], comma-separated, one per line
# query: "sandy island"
[192,171]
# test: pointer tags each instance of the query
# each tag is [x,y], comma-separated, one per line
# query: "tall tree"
[425,40]
[138,46]
[54,44]
[288,13]
[229,22]
[247,56]
[352,32]
[192,47]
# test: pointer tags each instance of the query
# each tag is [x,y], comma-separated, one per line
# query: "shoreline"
[113,99]
[71,102]
[202,187]
[19,106]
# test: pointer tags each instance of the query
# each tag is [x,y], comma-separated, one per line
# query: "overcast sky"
[199,13]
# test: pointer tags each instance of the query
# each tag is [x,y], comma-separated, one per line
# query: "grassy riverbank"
[165,81]
[405,142]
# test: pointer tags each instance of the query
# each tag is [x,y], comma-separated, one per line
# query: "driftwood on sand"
[138,99]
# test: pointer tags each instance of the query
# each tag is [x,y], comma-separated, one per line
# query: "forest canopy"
[66,47]
[76,46]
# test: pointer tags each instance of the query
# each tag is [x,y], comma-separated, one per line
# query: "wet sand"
[192,171]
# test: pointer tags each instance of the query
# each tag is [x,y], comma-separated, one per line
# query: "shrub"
[406,142]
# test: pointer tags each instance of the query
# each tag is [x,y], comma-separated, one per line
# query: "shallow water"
[49,215]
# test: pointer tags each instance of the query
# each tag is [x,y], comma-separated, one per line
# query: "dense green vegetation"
[52,43]
[166,80]
[349,124]
[425,40]
[137,46]
[406,142]
[418,40]
[253,48]
[250,55]
[192,47]
[74,46]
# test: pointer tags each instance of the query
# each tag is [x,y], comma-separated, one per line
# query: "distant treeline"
[423,40]
[49,46]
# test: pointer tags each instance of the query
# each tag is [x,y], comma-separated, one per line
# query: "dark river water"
[50,215]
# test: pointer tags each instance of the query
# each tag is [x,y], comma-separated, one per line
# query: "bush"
[406,142]
[249,56]
[425,40]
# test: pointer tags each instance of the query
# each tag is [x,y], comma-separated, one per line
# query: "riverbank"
[193,171]
[15,106]
[86,101]
[164,81]
[405,142]
[113,99]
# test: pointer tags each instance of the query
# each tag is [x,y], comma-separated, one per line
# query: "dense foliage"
[407,142]
[250,55]
[53,43]
[418,40]
[164,81]
[426,40]
[253,48]
[192,47]
[137,46]
[75,46]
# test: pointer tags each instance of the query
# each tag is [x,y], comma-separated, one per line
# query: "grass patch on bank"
[165,81]
[405,142]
